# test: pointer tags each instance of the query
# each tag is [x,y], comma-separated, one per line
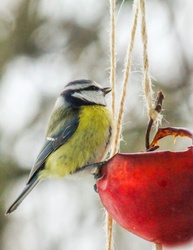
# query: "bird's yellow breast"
[89,143]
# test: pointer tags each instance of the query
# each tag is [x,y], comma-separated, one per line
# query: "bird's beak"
[107,90]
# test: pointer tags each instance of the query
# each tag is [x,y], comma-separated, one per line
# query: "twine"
[157,247]
[147,85]
[126,77]
[112,53]
[109,220]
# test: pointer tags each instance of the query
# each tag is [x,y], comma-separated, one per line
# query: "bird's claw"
[95,188]
[98,176]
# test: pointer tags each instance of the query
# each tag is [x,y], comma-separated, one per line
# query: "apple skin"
[151,194]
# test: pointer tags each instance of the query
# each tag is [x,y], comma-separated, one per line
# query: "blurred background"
[44,45]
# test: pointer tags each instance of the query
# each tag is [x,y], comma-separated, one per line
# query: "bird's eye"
[92,88]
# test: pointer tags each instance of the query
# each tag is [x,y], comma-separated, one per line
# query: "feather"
[28,188]
[52,144]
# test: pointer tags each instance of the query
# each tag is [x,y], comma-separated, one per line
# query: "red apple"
[151,194]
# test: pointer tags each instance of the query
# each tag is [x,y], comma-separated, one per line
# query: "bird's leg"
[95,188]
[96,165]
[97,174]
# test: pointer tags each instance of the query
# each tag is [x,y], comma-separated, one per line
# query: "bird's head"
[84,92]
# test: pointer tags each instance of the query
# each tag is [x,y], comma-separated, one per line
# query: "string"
[123,97]
[147,85]
[112,53]
[157,247]
[109,220]
[148,92]
[126,75]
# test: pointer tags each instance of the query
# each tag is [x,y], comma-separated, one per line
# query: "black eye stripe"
[89,88]
[94,88]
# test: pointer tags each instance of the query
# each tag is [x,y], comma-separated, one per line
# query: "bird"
[79,132]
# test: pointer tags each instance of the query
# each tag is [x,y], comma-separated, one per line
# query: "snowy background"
[44,45]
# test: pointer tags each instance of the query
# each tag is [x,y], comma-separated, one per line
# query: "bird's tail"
[28,188]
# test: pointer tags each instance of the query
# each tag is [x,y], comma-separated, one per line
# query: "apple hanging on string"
[151,193]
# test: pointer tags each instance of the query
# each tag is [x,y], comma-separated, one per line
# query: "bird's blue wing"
[53,143]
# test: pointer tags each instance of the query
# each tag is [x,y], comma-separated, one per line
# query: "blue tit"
[79,133]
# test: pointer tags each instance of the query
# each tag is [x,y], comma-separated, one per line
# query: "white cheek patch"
[91,96]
